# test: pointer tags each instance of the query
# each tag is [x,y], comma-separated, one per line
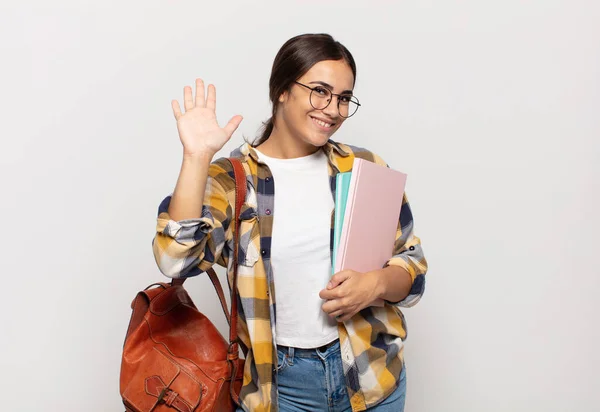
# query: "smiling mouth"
[322,124]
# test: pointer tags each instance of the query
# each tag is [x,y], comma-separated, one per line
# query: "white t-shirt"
[300,249]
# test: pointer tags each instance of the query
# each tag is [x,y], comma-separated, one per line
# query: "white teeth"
[322,123]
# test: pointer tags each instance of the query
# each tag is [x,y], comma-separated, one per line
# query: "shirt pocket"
[249,236]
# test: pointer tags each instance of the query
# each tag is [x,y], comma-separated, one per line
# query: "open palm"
[198,128]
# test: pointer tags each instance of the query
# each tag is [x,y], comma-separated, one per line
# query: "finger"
[337,314]
[200,102]
[176,109]
[338,279]
[211,99]
[188,102]
[233,125]
[330,294]
[327,294]
[332,306]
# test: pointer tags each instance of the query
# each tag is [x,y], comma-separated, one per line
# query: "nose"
[331,110]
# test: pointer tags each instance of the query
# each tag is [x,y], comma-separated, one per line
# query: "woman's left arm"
[402,280]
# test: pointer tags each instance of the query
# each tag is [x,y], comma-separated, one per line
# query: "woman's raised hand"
[198,129]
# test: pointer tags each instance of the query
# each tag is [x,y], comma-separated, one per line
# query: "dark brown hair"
[293,60]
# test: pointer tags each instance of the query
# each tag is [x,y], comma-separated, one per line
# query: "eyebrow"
[330,86]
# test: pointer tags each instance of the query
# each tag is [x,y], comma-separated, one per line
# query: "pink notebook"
[371,218]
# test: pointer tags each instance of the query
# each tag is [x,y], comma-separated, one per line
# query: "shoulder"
[220,173]
[221,169]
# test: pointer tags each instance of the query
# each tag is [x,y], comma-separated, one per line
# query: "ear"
[283,97]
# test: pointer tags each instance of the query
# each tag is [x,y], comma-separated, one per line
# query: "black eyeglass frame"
[312,89]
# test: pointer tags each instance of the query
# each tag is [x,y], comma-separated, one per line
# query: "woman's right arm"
[188,197]
[192,222]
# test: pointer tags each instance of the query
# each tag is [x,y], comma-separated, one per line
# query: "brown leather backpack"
[174,358]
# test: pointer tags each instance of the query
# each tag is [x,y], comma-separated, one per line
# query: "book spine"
[347,213]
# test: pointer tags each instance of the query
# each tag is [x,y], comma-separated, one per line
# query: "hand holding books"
[368,204]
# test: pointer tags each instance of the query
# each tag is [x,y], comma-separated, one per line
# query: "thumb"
[338,279]
[233,125]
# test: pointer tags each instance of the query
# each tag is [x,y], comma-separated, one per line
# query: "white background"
[492,108]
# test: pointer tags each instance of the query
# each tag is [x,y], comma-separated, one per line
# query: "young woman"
[314,341]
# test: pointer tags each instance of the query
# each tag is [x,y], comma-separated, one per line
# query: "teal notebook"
[342,185]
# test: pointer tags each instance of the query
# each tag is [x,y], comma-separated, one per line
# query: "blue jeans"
[313,380]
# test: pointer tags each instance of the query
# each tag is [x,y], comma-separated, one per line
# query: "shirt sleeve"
[408,254]
[189,247]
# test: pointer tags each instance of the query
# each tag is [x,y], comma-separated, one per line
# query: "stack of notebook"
[367,208]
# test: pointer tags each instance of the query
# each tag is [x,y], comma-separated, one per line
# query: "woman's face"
[300,118]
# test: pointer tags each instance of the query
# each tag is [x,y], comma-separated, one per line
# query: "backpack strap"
[240,198]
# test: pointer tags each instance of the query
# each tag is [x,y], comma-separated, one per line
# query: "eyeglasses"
[320,99]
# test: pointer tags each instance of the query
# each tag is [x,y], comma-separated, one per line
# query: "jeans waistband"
[310,351]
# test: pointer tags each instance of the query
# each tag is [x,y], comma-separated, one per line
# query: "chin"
[318,140]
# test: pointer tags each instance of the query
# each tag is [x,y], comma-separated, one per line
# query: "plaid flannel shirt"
[371,342]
